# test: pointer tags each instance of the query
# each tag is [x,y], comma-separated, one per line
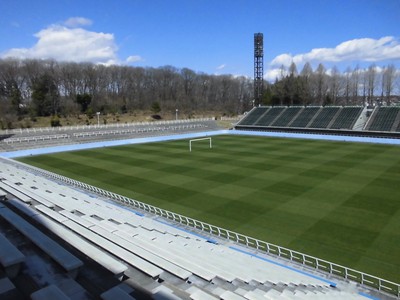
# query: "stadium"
[290,203]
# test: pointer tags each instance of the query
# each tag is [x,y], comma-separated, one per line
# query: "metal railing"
[282,252]
[100,126]
[28,139]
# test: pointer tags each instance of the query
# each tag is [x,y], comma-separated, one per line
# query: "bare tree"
[355,83]
[334,85]
[320,84]
[122,88]
[305,88]
[371,82]
[388,80]
[347,85]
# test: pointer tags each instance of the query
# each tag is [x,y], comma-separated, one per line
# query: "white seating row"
[15,192]
[95,253]
[63,257]
[30,194]
[104,229]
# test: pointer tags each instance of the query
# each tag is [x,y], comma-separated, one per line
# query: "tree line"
[322,87]
[31,88]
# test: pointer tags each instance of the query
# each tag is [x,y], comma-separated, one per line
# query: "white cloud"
[78,22]
[220,67]
[364,50]
[134,58]
[358,50]
[273,74]
[70,44]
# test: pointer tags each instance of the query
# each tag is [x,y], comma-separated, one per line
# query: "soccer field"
[333,200]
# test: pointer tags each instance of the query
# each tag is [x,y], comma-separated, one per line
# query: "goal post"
[197,140]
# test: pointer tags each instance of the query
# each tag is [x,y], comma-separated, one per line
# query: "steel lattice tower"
[258,68]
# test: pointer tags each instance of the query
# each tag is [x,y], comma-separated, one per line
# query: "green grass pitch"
[333,200]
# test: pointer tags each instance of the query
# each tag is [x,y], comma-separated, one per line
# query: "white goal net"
[198,140]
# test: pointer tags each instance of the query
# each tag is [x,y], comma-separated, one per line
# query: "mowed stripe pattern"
[337,201]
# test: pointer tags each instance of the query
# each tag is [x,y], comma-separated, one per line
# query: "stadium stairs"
[101,249]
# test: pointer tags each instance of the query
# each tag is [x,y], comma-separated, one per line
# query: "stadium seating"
[269,116]
[287,116]
[304,118]
[324,118]
[65,259]
[145,253]
[383,118]
[253,116]
[346,118]
[334,117]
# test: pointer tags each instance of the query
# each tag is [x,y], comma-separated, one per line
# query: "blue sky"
[210,36]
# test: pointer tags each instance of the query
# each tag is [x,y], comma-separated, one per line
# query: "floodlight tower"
[258,68]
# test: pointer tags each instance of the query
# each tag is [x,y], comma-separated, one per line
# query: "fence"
[102,126]
[137,130]
[294,256]
[143,128]
[36,138]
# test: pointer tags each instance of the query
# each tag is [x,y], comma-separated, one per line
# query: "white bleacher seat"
[183,261]
[50,292]
[51,213]
[11,190]
[25,208]
[252,295]
[107,225]
[108,262]
[273,294]
[180,248]
[228,295]
[164,292]
[33,194]
[128,229]
[125,255]
[64,258]
[77,219]
[10,257]
[144,253]
[198,294]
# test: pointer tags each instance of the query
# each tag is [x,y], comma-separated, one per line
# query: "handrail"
[292,255]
